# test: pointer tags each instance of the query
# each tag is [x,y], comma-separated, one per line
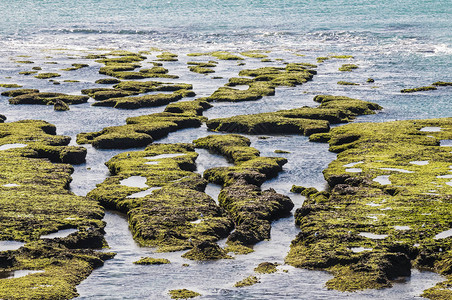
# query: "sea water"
[400,44]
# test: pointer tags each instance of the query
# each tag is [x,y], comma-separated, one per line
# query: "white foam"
[18,273]
[444,176]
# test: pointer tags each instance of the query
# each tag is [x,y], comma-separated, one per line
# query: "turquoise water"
[401,44]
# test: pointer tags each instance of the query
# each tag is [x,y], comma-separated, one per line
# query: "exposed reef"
[251,208]
[32,96]
[168,209]
[34,201]
[305,120]
[139,131]
[388,208]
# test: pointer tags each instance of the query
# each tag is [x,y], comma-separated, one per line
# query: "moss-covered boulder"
[388,207]
[183,294]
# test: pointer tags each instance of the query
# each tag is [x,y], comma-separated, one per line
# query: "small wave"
[442,49]
[100,31]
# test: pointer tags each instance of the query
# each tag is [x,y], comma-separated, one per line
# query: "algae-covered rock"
[304,120]
[248,281]
[419,89]
[139,131]
[348,67]
[183,294]
[47,75]
[107,81]
[35,200]
[266,268]
[368,231]
[14,93]
[143,101]
[206,251]
[170,211]
[251,208]
[44,98]
[10,85]
[152,261]
[60,106]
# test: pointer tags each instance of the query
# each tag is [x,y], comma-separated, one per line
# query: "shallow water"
[401,44]
[59,234]
[10,245]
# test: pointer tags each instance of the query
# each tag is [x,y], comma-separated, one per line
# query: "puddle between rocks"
[419,162]
[135,181]
[10,245]
[18,273]
[373,235]
[382,179]
[443,235]
[59,234]
[144,193]
[12,146]
[430,129]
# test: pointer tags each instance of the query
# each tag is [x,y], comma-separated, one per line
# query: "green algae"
[75,67]
[14,93]
[37,68]
[167,56]
[305,120]
[10,85]
[419,89]
[266,268]
[107,81]
[254,54]
[346,83]
[44,98]
[139,131]
[177,214]
[263,82]
[28,72]
[192,108]
[348,67]
[47,75]
[405,215]
[183,294]
[442,83]
[370,80]
[206,251]
[39,203]
[152,261]
[24,62]
[248,281]
[251,208]
[144,101]
[60,106]
[222,55]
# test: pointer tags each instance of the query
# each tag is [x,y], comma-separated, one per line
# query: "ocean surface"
[400,44]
